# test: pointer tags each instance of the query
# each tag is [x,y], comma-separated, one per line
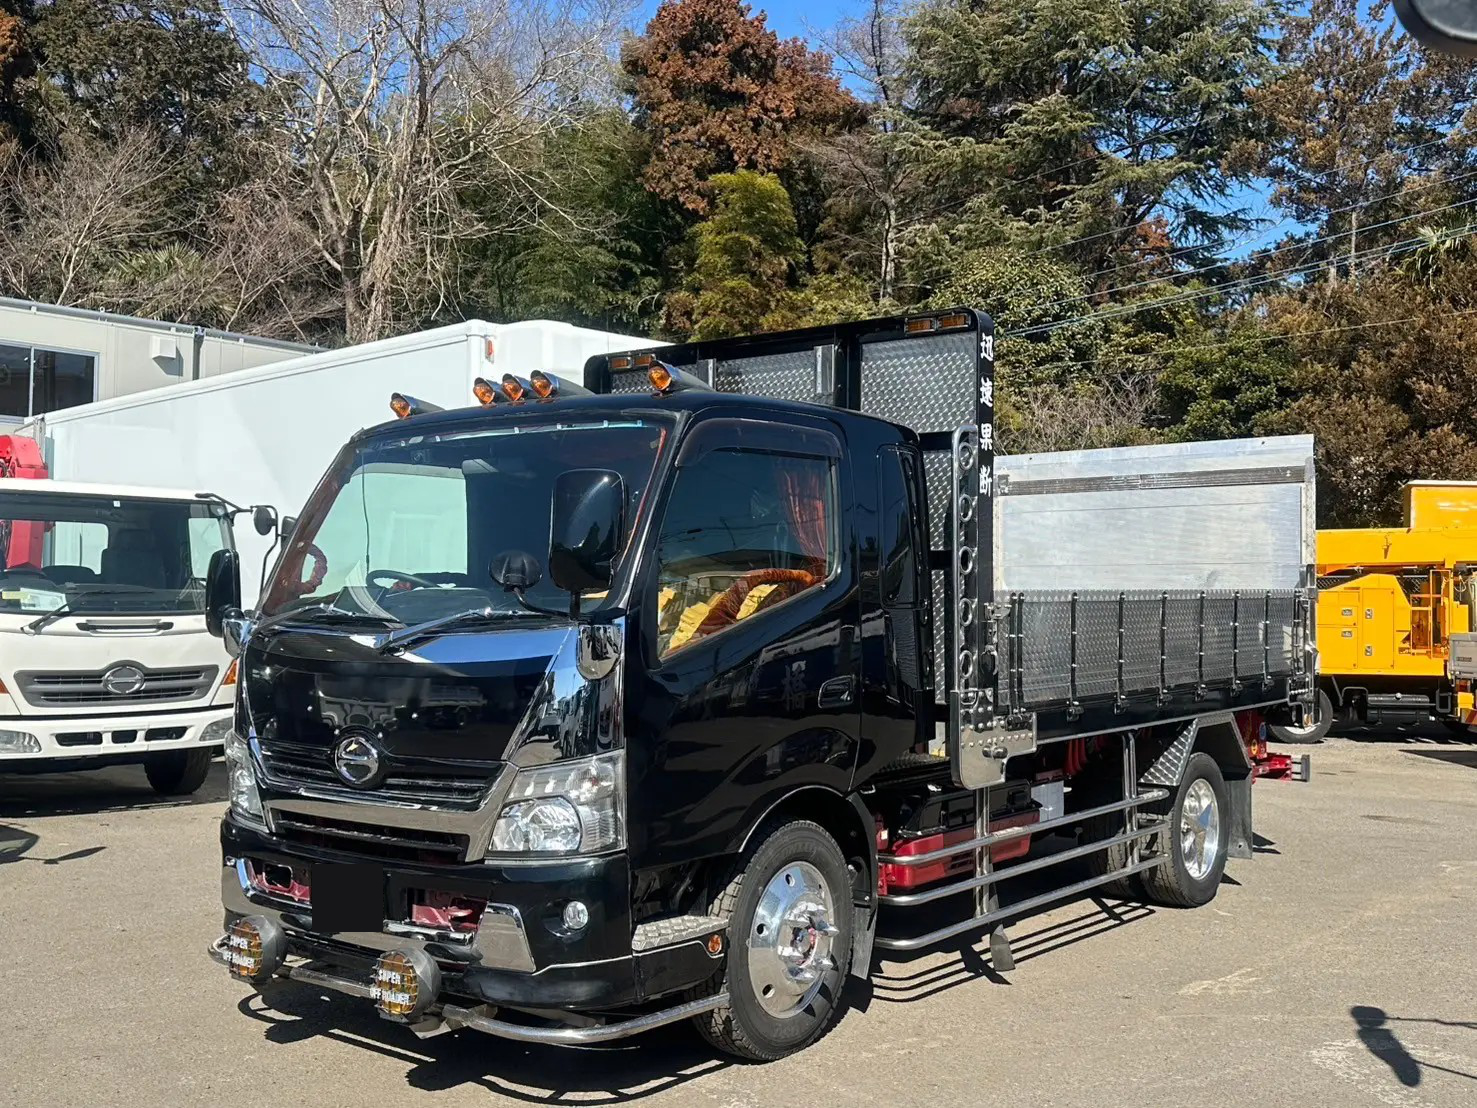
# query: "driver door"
[751,614]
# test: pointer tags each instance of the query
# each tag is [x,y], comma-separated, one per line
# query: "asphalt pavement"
[1334,968]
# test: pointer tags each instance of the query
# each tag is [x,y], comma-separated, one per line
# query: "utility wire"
[1188,296]
[1264,254]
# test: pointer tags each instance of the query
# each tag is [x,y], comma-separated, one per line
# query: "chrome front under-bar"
[453,1016]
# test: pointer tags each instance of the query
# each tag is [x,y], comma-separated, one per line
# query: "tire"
[1188,882]
[178,772]
[1288,735]
[764,1019]
[1112,858]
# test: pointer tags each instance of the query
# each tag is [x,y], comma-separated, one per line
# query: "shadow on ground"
[1381,1040]
[89,792]
[656,1062]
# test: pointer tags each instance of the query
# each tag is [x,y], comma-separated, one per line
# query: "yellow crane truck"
[1389,601]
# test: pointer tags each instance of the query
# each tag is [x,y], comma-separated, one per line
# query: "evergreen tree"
[1086,120]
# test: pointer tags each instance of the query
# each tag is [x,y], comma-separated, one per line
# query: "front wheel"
[178,772]
[1196,839]
[788,907]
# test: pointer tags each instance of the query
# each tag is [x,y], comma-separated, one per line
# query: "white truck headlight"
[215,732]
[19,742]
[246,802]
[576,807]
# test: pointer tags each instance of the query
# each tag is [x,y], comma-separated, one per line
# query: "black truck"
[591,708]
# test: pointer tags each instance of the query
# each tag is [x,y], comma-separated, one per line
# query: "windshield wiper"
[320,609]
[402,635]
[36,626]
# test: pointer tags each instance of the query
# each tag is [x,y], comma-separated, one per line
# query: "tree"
[1384,384]
[872,169]
[602,269]
[717,91]
[16,64]
[1083,121]
[391,111]
[173,67]
[744,254]
[1357,112]
[65,223]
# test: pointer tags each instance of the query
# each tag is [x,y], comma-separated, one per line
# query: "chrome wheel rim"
[790,940]
[1200,829]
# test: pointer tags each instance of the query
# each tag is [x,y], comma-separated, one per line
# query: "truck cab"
[104,654]
[572,715]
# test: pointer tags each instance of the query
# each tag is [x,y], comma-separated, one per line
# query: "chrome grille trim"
[80,688]
[292,768]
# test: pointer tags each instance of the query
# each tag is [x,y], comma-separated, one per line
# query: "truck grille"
[399,843]
[292,767]
[83,688]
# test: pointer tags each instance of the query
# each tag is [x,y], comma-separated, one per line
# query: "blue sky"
[787,20]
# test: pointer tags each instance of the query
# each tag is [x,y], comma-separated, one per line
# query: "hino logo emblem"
[123,680]
[357,761]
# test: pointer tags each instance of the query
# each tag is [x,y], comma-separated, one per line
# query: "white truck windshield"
[405,530]
[106,555]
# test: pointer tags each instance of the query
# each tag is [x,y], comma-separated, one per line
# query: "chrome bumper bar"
[452,1016]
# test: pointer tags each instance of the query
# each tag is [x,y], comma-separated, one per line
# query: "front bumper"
[520,955]
[482,1017]
[121,737]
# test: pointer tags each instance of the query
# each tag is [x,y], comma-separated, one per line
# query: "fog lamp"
[255,948]
[406,983]
[576,915]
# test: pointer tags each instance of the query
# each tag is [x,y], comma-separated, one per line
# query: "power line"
[1265,254]
[1357,205]
[1189,296]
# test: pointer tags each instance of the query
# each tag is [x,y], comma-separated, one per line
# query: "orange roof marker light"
[485,392]
[405,406]
[667,379]
[544,386]
[513,388]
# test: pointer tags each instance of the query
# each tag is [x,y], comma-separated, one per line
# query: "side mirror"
[288,526]
[585,531]
[222,590]
[264,519]
[1446,25]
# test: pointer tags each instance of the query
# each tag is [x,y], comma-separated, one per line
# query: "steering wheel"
[726,608]
[398,580]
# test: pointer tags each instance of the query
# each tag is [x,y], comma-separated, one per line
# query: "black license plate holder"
[347,896]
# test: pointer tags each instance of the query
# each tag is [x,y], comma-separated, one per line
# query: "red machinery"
[20,540]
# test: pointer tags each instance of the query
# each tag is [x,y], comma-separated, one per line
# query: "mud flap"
[1238,831]
[863,935]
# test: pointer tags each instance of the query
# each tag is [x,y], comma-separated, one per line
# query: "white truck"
[104,654]
[265,435]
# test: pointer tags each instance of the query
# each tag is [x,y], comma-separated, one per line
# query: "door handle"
[838,692]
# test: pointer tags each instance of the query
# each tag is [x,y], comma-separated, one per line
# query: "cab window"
[744,531]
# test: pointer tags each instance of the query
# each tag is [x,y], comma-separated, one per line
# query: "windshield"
[106,554]
[405,530]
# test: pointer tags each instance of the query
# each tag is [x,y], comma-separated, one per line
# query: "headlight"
[216,732]
[245,801]
[19,742]
[566,808]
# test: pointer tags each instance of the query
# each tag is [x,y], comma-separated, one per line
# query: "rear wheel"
[788,906]
[1195,841]
[178,772]
[1313,732]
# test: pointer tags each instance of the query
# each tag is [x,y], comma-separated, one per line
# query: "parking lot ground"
[1338,967]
